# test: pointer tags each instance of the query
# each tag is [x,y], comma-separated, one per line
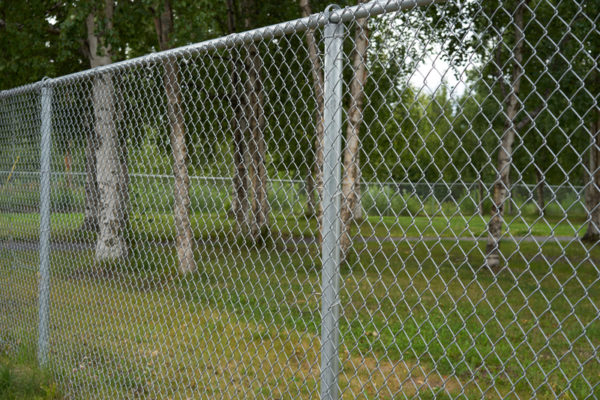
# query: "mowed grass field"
[419,318]
[22,379]
[161,226]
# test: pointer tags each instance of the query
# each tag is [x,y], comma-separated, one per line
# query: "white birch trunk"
[257,146]
[316,183]
[502,183]
[181,187]
[240,204]
[111,165]
[111,175]
[351,208]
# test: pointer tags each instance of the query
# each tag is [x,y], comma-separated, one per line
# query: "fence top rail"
[373,8]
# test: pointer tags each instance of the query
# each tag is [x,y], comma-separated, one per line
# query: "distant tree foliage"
[530,75]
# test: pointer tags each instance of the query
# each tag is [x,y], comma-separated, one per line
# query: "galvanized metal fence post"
[44,272]
[332,119]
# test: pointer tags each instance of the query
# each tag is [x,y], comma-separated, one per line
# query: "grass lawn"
[418,318]
[22,379]
[160,226]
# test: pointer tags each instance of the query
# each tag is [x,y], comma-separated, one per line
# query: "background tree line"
[529,112]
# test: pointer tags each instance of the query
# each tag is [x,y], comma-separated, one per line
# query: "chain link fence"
[290,195]
[297,211]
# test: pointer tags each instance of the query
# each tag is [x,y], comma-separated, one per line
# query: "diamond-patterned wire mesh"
[185,211]
[20,145]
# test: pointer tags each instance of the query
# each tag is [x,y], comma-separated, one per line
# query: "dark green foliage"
[408,134]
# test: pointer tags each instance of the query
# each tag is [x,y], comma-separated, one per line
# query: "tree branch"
[532,115]
[53,30]
[529,117]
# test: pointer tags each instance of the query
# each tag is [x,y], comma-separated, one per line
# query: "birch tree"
[111,166]
[240,202]
[257,145]
[553,64]
[98,53]
[250,205]
[163,23]
[512,108]
[256,120]
[314,180]
[351,208]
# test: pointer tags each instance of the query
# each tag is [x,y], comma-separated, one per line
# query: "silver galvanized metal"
[44,265]
[330,254]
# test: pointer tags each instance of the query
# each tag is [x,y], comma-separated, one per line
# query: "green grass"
[22,379]
[419,318]
[160,226]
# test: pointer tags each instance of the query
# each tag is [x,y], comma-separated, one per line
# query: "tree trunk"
[98,55]
[539,189]
[240,202]
[317,79]
[592,192]
[351,183]
[181,189]
[256,146]
[111,175]
[92,194]
[111,168]
[505,152]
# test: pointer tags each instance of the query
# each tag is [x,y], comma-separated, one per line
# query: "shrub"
[65,199]
[384,200]
[376,200]
[210,197]
[412,205]
[151,195]
[529,209]
[286,196]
